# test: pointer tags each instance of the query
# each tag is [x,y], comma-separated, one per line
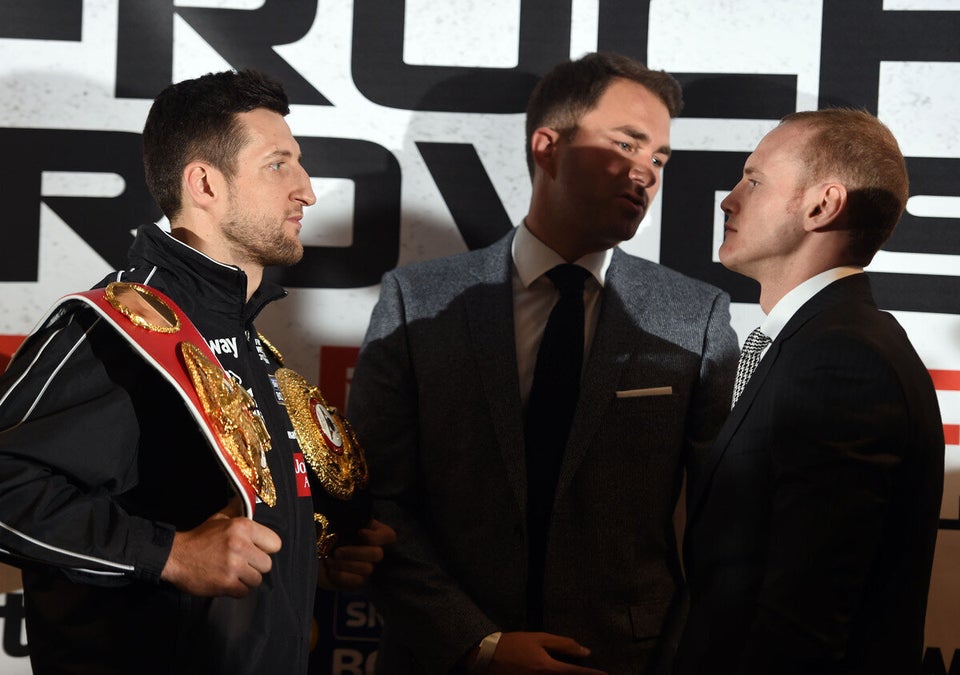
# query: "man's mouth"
[640,201]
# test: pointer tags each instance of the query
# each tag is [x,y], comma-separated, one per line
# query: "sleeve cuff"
[154,554]
[488,646]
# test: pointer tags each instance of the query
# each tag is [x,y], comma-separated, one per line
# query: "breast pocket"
[646,398]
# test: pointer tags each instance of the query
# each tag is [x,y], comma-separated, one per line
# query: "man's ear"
[543,146]
[828,209]
[202,183]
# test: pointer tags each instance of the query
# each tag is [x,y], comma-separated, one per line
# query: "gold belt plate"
[236,420]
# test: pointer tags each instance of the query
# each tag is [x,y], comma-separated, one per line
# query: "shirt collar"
[788,305]
[533,258]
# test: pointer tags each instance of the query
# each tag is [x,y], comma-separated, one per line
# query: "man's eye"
[625,146]
[276,166]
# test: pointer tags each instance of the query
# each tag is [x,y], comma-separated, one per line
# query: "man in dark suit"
[812,526]
[516,552]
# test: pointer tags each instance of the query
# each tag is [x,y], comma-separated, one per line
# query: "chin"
[295,257]
[624,233]
[727,261]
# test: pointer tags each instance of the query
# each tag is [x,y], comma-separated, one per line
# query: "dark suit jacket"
[811,532]
[436,403]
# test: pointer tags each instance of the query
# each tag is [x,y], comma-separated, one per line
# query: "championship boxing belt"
[225,412]
[337,468]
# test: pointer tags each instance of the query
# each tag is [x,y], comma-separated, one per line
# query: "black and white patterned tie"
[749,359]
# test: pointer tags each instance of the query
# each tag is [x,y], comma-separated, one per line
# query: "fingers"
[264,538]
[559,644]
[349,566]
[522,652]
[561,647]
[356,553]
[340,576]
[222,556]
[377,534]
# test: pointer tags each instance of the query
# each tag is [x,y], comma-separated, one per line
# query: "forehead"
[625,100]
[783,144]
[266,131]
[780,150]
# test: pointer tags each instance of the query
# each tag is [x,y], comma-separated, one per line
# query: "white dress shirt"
[534,296]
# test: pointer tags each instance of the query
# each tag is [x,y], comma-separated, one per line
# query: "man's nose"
[643,175]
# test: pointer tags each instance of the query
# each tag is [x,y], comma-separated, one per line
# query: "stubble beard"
[260,242]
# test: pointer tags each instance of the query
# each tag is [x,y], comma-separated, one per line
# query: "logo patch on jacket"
[222,346]
[303,480]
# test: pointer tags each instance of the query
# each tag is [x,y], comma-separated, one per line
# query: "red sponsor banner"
[948,380]
[336,373]
[8,345]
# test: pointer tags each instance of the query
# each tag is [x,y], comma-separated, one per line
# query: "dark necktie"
[749,360]
[549,413]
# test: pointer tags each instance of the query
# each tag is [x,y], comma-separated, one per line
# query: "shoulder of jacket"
[643,272]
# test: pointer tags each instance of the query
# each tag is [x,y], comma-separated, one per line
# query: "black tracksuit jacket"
[100,463]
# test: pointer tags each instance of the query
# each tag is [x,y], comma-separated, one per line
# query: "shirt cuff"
[488,646]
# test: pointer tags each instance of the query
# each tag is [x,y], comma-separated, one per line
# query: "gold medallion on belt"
[328,442]
[329,445]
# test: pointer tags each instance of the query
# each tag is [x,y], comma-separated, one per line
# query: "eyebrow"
[638,135]
[281,153]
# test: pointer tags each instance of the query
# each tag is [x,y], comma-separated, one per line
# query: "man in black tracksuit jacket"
[135,558]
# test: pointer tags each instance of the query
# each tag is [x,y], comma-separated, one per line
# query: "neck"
[779,276]
[215,249]
[772,293]
[566,250]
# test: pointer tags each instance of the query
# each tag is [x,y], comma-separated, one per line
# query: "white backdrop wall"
[409,114]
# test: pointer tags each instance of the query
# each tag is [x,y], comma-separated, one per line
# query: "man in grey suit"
[477,582]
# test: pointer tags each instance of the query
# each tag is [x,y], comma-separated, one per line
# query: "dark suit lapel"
[490,318]
[855,287]
[613,344]
[730,427]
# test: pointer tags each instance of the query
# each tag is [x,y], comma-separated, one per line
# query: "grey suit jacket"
[436,404]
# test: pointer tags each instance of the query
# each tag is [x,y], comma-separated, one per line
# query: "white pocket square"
[650,391]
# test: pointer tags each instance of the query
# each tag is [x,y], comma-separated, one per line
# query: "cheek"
[598,166]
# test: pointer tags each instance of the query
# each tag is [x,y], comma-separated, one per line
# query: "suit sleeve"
[838,440]
[68,440]
[417,597]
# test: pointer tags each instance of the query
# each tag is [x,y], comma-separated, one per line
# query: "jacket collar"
[224,286]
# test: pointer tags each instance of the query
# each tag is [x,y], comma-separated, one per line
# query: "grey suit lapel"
[613,344]
[490,319]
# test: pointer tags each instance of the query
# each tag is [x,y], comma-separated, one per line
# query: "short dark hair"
[196,120]
[572,88]
[857,147]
